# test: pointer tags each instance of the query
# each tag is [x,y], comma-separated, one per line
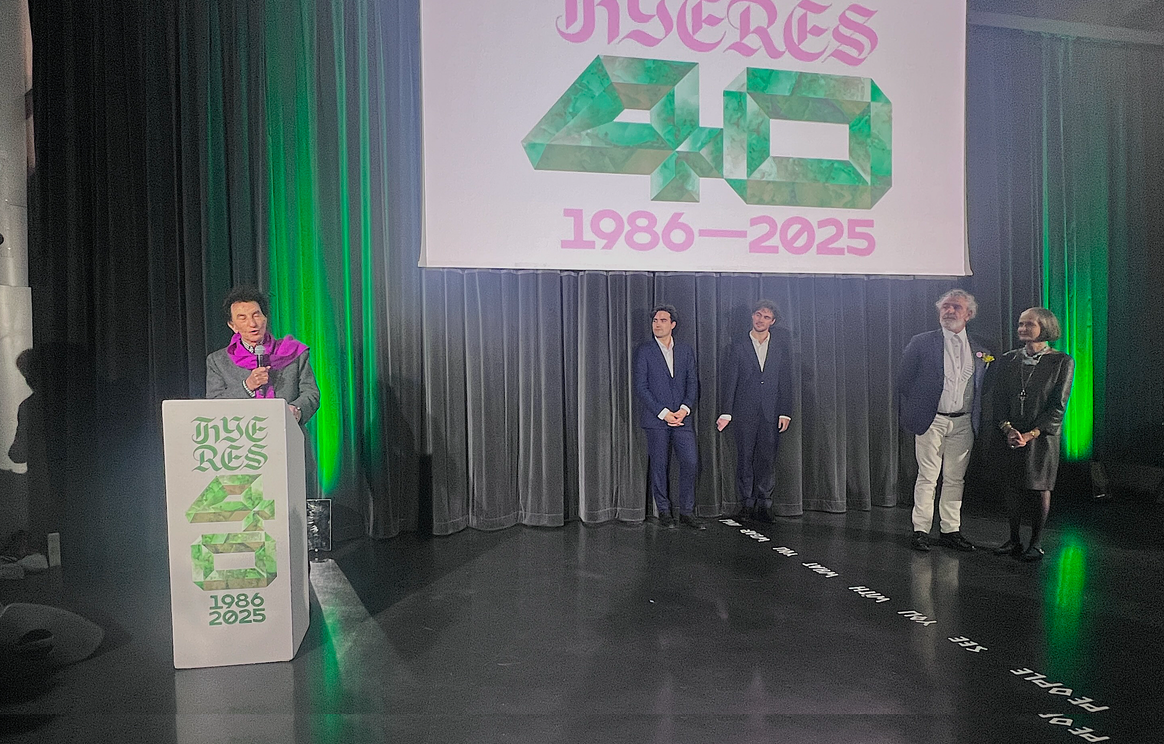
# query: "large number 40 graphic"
[233,498]
[581,133]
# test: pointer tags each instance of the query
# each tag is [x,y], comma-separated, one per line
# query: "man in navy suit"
[939,390]
[667,386]
[757,402]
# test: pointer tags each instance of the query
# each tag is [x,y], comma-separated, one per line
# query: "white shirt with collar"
[761,348]
[668,354]
[957,369]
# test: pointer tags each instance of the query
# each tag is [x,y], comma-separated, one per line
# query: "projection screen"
[709,135]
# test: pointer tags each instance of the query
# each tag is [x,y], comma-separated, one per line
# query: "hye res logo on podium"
[235,505]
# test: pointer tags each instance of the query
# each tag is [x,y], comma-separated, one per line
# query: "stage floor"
[825,628]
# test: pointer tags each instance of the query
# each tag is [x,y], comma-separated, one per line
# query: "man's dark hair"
[769,306]
[1049,328]
[246,293]
[669,309]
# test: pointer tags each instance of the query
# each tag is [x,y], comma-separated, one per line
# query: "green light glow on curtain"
[297,272]
[1074,280]
[371,311]
[1075,228]
[321,277]
[1063,603]
[1074,288]
[348,434]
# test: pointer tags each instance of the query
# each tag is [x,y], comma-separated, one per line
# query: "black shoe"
[956,541]
[743,514]
[1032,554]
[1013,548]
[689,520]
[920,541]
[761,514]
[667,521]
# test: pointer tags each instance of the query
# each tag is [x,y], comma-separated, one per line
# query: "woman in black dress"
[1027,392]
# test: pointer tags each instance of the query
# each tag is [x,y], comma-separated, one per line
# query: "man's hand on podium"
[295,412]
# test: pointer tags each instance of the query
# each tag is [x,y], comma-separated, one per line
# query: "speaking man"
[255,365]
[667,387]
[939,390]
[757,403]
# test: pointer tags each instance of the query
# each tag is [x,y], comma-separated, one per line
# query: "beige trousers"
[944,449]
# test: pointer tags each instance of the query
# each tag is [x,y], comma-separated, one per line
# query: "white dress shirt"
[668,354]
[958,368]
[761,349]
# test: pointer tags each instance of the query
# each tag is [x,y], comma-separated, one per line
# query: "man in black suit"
[939,391]
[757,402]
[667,386]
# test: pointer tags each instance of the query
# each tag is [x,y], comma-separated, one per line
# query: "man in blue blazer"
[757,402]
[939,392]
[667,386]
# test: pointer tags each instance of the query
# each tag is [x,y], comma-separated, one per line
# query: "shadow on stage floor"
[825,628]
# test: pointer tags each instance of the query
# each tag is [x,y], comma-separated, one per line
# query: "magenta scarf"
[281,353]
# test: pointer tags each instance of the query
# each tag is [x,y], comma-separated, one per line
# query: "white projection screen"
[782,136]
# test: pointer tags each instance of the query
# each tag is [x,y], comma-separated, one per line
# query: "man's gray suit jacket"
[295,383]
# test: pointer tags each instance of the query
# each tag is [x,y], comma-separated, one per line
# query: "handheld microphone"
[261,360]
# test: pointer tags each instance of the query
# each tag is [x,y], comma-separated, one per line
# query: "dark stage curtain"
[183,147]
[1066,169]
[118,303]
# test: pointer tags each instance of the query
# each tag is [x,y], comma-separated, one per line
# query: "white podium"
[236,510]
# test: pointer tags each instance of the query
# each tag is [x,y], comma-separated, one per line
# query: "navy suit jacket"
[657,389]
[920,378]
[751,394]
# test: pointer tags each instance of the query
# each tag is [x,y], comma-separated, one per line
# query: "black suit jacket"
[748,392]
[921,375]
[657,389]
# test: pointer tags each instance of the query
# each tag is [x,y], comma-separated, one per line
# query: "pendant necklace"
[1025,380]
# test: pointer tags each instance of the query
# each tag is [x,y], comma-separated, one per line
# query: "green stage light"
[298,278]
[1075,268]
[322,191]
[1063,604]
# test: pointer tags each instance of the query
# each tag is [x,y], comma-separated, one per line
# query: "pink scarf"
[279,353]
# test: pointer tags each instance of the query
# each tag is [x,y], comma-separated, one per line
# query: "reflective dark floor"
[826,628]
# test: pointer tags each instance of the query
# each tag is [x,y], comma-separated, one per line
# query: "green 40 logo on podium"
[233,498]
[581,133]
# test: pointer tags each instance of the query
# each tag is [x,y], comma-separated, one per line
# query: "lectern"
[236,511]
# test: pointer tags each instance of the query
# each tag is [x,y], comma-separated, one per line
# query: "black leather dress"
[1047,386]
